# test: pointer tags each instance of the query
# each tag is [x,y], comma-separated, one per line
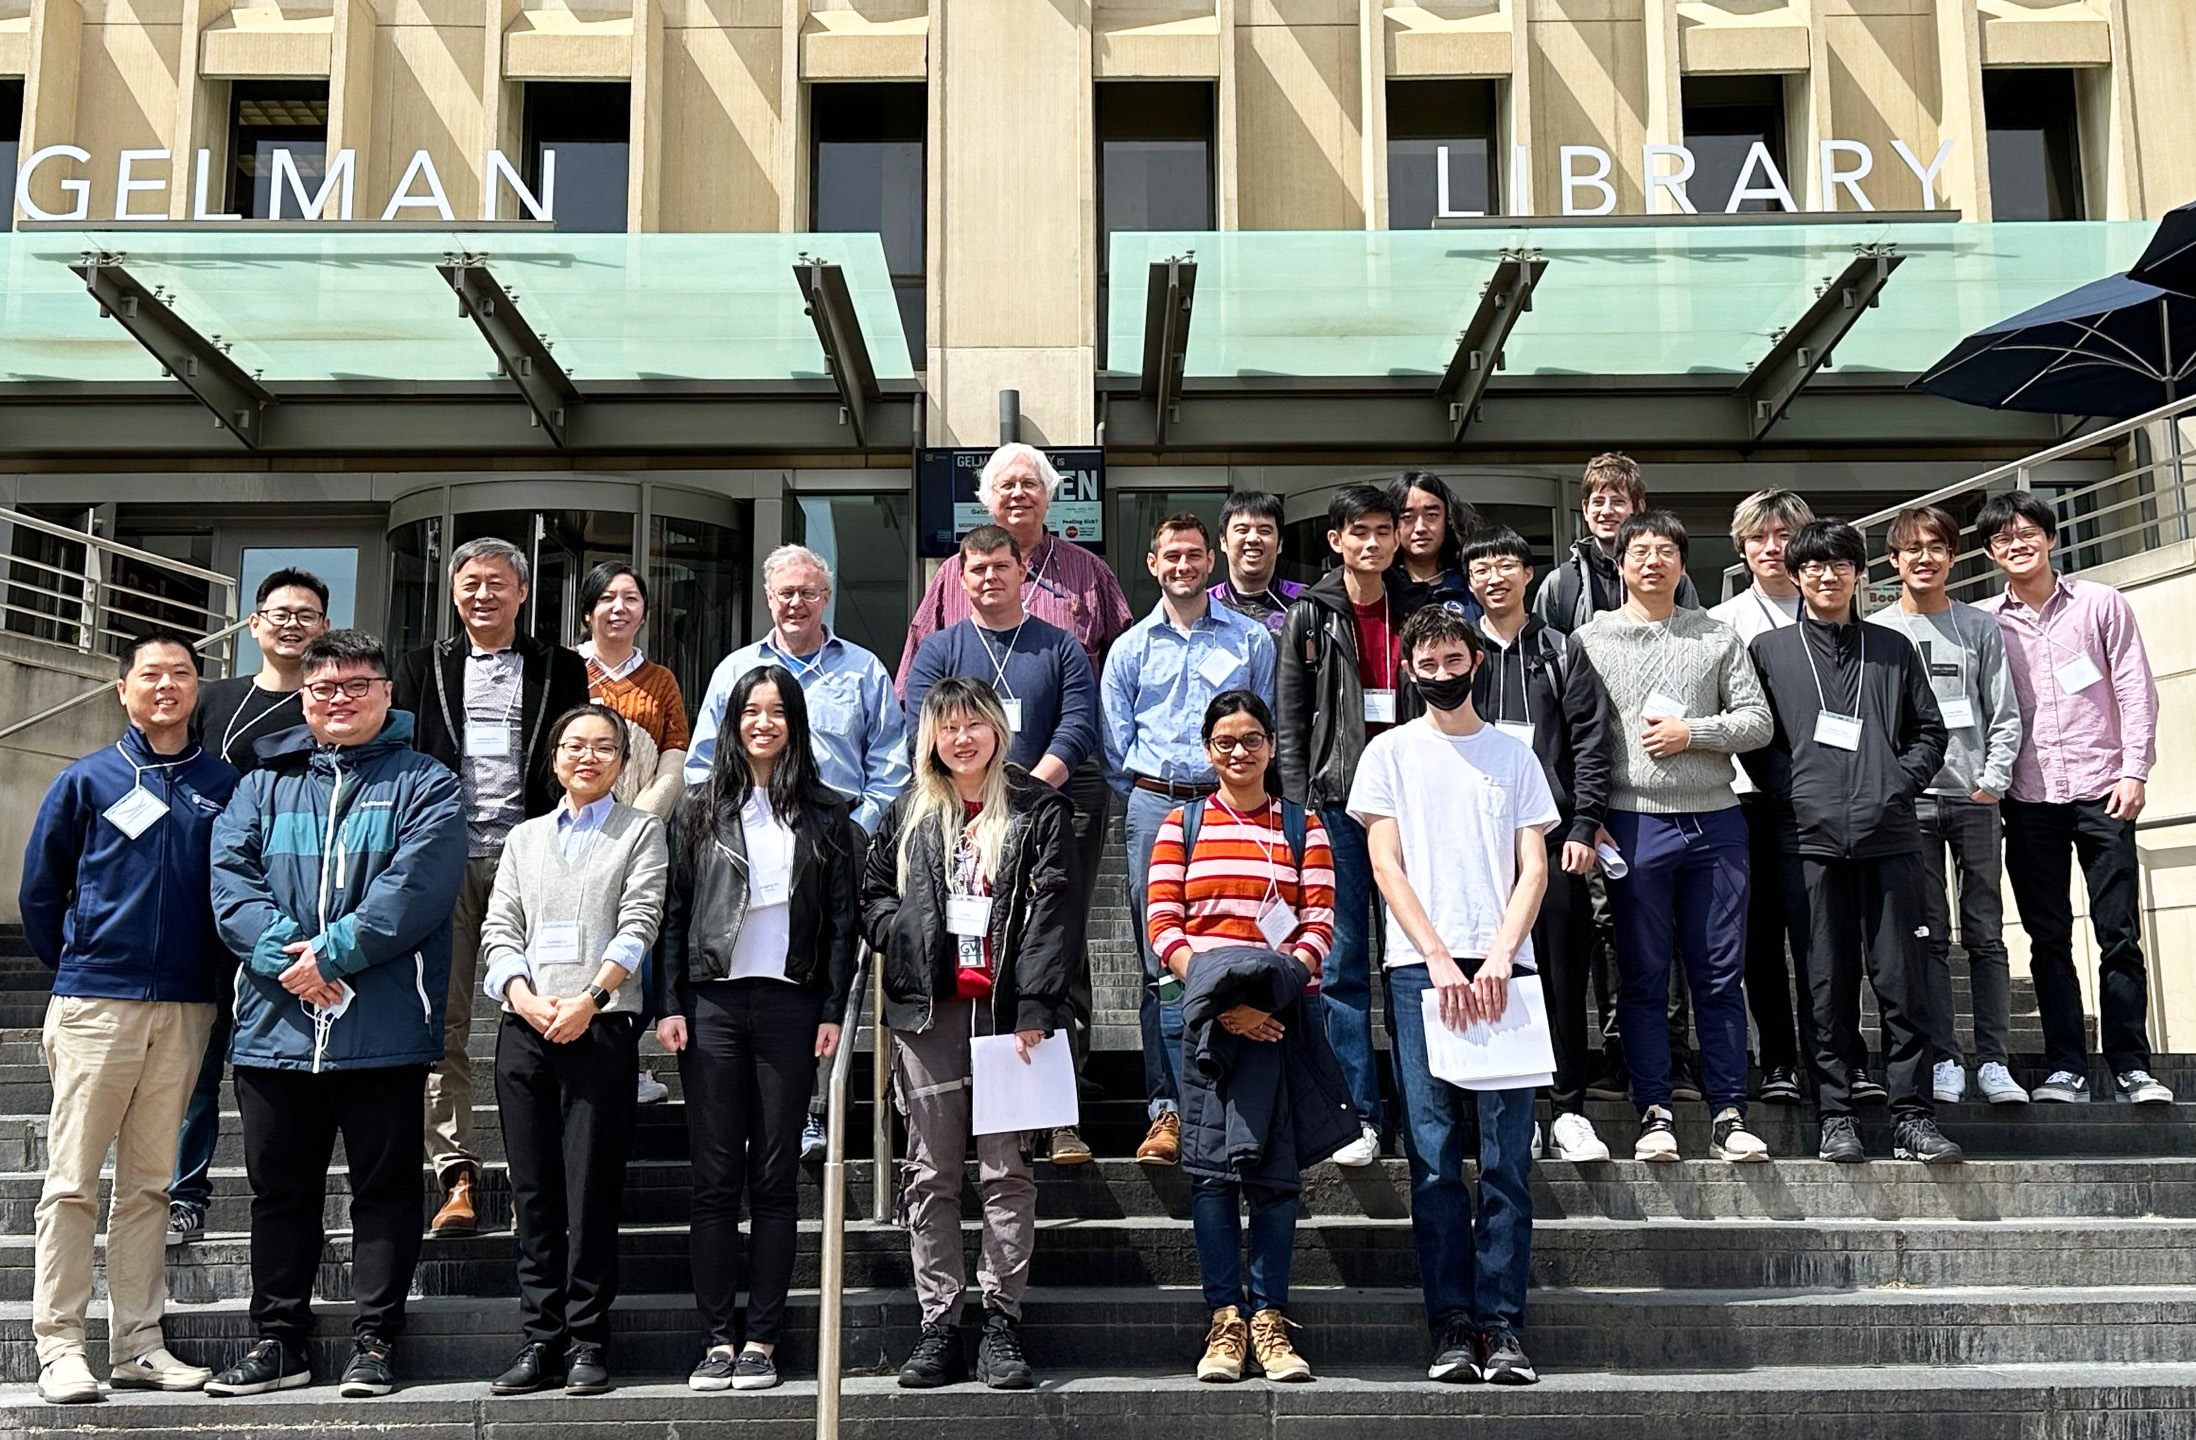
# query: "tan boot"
[1163,1143]
[1276,1356]
[458,1215]
[1225,1346]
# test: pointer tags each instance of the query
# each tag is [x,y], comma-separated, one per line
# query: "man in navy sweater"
[116,901]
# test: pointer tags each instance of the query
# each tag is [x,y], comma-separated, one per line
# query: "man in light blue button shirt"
[1160,675]
[853,712]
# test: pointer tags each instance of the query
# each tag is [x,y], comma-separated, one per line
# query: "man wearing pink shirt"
[2089,716]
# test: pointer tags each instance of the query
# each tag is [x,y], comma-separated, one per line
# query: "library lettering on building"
[610,295]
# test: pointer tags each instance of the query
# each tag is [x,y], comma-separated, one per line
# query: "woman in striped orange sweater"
[1255,871]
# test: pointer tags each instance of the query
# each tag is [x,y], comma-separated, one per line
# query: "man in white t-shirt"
[1455,813]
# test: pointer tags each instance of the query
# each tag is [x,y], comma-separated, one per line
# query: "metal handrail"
[831,1290]
[115,547]
[106,688]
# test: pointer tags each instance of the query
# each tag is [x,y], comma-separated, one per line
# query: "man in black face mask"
[1455,814]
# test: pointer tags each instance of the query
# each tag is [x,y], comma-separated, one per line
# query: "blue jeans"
[1473,1274]
[194,1151]
[1161,1024]
[1346,979]
[1684,896]
[1219,1233]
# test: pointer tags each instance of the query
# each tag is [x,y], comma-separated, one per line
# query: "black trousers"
[1862,917]
[2041,841]
[747,1068]
[1093,800]
[567,1113]
[291,1120]
[1563,937]
[1770,923]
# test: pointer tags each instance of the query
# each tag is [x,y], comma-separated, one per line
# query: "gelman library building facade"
[346,283]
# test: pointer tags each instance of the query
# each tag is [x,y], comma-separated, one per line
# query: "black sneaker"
[714,1373]
[1684,1078]
[369,1373]
[186,1222]
[1916,1137]
[937,1359]
[1779,1086]
[1502,1360]
[1841,1141]
[999,1359]
[586,1370]
[1456,1356]
[268,1365]
[1864,1090]
[536,1368]
[754,1371]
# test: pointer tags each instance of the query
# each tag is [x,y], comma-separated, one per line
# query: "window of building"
[868,174]
[11,136]
[1132,515]
[1425,119]
[270,115]
[866,540]
[586,125]
[2035,145]
[1154,167]
[1726,116]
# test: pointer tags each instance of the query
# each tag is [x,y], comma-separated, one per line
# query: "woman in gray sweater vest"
[577,902]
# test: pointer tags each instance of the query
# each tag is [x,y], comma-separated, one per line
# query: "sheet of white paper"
[1493,1057]
[1010,1097]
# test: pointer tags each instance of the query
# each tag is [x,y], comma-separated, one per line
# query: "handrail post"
[831,1288]
[880,1117]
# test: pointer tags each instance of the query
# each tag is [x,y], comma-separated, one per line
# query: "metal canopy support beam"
[846,351]
[221,385]
[1169,295]
[1509,294]
[1770,387]
[523,355]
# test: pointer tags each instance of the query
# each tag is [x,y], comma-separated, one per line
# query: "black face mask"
[1445,694]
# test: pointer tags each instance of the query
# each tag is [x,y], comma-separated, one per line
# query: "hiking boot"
[999,1359]
[1226,1344]
[458,1215]
[1163,1142]
[1841,1141]
[1277,1358]
[937,1359]
[1916,1137]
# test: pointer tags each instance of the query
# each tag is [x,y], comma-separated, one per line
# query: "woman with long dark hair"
[1432,527]
[752,979]
[613,606]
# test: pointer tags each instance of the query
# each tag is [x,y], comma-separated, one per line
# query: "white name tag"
[1662,703]
[2078,673]
[485,741]
[1277,922]
[968,914]
[775,889]
[557,945]
[1217,666]
[1843,732]
[1517,730]
[1379,707]
[1958,714]
[136,812]
[1014,715]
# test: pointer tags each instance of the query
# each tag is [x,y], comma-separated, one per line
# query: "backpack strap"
[1294,826]
[1193,819]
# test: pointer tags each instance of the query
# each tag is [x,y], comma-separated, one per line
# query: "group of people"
[308,877]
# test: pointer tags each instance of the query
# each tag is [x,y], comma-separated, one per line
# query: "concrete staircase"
[2046,1290]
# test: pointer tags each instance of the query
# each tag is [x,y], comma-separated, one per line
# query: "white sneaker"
[1572,1138]
[1536,1150]
[1657,1142]
[1362,1151]
[1730,1140]
[1998,1085]
[1948,1082]
[2141,1088]
[158,1370]
[650,1090]
[68,1381]
[2065,1087]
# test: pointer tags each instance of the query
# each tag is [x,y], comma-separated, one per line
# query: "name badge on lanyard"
[557,945]
[1380,707]
[2077,674]
[487,740]
[1013,714]
[1958,714]
[968,915]
[1517,730]
[1841,732]
[775,888]
[136,812]
[1277,922]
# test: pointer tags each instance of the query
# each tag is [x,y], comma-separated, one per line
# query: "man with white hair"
[1066,586]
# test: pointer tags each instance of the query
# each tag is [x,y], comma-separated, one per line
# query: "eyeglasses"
[1248,744]
[600,749]
[2006,539]
[286,618]
[1818,569]
[965,727]
[1641,554]
[1488,569]
[1932,550]
[808,594]
[357,687]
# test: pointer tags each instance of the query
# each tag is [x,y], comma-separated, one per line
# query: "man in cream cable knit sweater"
[1684,699]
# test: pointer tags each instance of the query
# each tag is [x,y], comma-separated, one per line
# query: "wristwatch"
[600,996]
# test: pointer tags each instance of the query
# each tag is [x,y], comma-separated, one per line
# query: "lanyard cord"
[228,736]
[137,771]
[998,665]
[801,669]
[1273,861]
[1860,680]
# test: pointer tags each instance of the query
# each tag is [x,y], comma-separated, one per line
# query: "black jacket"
[1584,583]
[1320,704]
[1544,676]
[1258,1110]
[552,681]
[1034,928]
[705,904]
[1833,802]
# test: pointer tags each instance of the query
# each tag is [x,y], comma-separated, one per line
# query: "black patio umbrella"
[2169,260]
[2115,347]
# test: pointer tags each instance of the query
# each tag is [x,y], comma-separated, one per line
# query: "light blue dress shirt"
[1158,682]
[575,832]
[854,720]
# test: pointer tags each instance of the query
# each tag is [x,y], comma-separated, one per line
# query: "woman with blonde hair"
[966,898]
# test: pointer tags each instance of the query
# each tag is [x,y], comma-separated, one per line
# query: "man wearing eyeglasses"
[481,703]
[335,869]
[289,612]
[2089,718]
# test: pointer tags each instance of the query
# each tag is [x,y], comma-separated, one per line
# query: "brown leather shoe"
[1163,1145]
[457,1215]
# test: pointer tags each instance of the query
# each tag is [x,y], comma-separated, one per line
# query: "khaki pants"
[450,1084]
[122,1074]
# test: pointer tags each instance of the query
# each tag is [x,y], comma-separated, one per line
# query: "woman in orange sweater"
[613,604]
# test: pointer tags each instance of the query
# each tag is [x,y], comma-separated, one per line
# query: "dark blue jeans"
[1684,896]
[194,1152]
[1219,1233]
[1472,1273]
[1346,979]
[1160,1024]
